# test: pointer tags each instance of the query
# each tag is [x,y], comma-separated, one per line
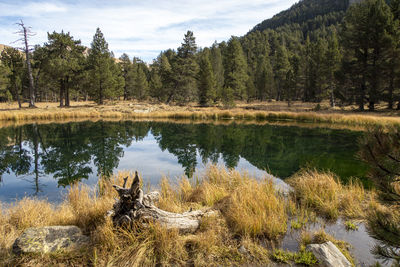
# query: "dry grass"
[324,193]
[247,210]
[215,243]
[274,111]
[250,207]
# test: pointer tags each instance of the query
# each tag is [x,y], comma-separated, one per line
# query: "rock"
[50,239]
[328,255]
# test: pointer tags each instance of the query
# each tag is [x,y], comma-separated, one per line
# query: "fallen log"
[133,205]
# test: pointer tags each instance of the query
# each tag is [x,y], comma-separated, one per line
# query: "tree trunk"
[67,102]
[371,105]
[390,93]
[101,95]
[62,88]
[134,206]
[28,64]
[332,100]
[17,94]
[361,99]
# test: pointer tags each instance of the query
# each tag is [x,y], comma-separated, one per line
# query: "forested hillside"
[317,50]
[308,14]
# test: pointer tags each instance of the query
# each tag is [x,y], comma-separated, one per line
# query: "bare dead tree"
[25,33]
[133,205]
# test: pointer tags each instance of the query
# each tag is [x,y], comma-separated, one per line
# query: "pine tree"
[332,63]
[127,73]
[366,39]
[308,78]
[155,84]
[218,68]
[207,81]
[141,88]
[281,69]
[105,76]
[64,58]
[13,60]
[318,70]
[264,78]
[292,78]
[236,69]
[380,149]
[393,64]
[185,70]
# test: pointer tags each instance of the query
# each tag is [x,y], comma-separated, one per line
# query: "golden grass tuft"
[255,209]
[328,196]
[88,208]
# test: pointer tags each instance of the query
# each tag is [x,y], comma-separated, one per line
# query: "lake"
[43,159]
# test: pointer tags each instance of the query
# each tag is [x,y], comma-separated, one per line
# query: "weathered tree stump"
[133,205]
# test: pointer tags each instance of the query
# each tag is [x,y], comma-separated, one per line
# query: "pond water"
[43,159]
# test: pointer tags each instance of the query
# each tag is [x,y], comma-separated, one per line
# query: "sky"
[141,28]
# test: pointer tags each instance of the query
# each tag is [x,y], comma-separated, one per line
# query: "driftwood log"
[133,205]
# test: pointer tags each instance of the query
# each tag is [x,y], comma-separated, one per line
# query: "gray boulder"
[328,255]
[50,239]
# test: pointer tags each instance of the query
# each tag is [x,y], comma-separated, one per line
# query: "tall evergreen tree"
[292,78]
[105,76]
[155,83]
[185,71]
[318,70]
[366,40]
[141,87]
[236,69]
[218,68]
[13,60]
[281,69]
[332,60]
[64,62]
[127,73]
[264,78]
[393,64]
[207,81]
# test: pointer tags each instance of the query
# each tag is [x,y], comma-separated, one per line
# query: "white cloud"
[142,28]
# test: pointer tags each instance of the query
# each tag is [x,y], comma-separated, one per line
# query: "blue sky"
[139,28]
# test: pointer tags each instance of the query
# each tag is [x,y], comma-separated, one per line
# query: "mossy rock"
[50,239]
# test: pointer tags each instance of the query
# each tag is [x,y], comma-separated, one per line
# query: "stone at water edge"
[328,255]
[49,239]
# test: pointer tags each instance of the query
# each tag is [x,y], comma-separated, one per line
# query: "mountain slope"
[305,12]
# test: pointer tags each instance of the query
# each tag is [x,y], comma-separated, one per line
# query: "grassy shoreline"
[128,110]
[250,212]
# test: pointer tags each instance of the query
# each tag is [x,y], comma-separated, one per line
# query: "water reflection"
[74,151]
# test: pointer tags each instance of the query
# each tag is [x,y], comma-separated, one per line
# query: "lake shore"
[252,216]
[260,111]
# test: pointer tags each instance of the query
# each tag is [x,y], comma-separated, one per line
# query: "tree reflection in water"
[71,152]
